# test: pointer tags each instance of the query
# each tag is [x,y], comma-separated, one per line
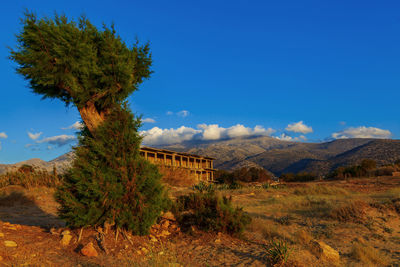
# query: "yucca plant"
[278,253]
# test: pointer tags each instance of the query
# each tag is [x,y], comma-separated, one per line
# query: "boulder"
[89,250]
[65,239]
[324,251]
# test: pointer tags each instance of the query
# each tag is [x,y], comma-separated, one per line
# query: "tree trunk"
[91,116]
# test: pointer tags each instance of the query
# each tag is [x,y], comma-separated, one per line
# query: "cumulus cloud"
[183,113]
[286,137]
[77,126]
[158,136]
[3,135]
[34,136]
[362,132]
[59,140]
[149,120]
[299,127]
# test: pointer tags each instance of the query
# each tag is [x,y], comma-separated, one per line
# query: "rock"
[65,240]
[169,216]
[89,250]
[10,244]
[1,235]
[217,241]
[323,251]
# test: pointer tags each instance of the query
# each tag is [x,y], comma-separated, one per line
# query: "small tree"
[110,181]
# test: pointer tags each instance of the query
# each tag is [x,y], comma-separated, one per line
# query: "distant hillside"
[282,156]
[269,153]
[61,163]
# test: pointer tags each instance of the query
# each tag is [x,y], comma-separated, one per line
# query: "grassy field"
[358,218]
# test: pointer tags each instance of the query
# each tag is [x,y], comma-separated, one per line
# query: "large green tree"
[79,64]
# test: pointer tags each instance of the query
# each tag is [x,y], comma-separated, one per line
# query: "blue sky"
[299,70]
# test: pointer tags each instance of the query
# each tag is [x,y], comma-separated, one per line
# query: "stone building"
[199,167]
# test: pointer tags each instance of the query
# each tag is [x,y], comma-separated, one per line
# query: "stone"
[217,241]
[89,250]
[169,216]
[324,251]
[65,232]
[1,235]
[65,240]
[10,244]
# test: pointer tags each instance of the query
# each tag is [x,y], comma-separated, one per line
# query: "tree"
[79,64]
[110,181]
[95,71]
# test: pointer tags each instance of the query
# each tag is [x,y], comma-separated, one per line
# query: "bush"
[299,177]
[278,253]
[109,181]
[211,212]
[247,175]
[27,176]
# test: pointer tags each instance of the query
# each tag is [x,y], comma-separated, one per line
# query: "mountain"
[61,163]
[274,155]
[280,156]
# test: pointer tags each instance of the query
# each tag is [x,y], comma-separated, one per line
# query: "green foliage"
[278,253]
[366,168]
[244,174]
[298,177]
[27,176]
[110,181]
[78,63]
[210,212]
[203,187]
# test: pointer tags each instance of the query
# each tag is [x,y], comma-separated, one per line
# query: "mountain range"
[274,155]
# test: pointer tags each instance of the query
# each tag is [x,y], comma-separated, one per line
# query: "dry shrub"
[15,198]
[30,178]
[368,255]
[353,212]
[177,176]
[303,237]
[321,190]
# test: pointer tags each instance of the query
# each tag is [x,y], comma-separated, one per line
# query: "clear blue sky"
[332,66]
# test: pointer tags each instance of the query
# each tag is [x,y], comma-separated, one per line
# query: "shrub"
[203,187]
[368,255]
[278,253]
[299,177]
[109,181]
[385,171]
[27,176]
[211,212]
[244,174]
[353,212]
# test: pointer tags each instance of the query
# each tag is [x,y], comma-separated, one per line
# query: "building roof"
[152,149]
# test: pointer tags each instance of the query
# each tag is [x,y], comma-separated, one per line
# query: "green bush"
[211,212]
[298,177]
[278,253]
[109,181]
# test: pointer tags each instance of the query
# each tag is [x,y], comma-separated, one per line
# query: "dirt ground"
[28,218]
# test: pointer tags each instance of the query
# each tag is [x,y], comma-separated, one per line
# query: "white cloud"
[183,113]
[362,132]
[149,120]
[34,136]
[299,127]
[170,113]
[158,136]
[285,137]
[59,140]
[3,135]
[77,126]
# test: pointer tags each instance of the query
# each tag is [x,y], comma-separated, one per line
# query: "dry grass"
[316,189]
[303,237]
[368,255]
[35,178]
[353,212]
